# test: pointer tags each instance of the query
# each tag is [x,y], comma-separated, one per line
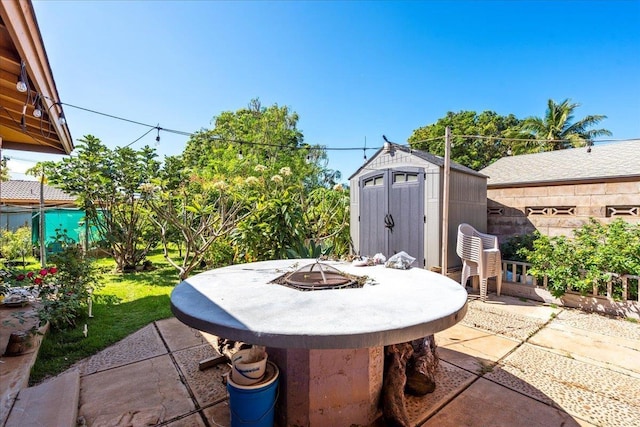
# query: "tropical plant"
[300,250]
[327,215]
[106,183]
[276,221]
[201,216]
[560,129]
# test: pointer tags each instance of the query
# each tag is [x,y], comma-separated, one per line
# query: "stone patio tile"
[193,420]
[592,393]
[177,335]
[465,361]
[594,346]
[450,380]
[218,415]
[207,385]
[473,342]
[610,326]
[488,404]
[499,319]
[519,307]
[143,393]
[143,344]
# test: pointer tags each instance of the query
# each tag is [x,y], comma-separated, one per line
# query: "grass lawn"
[125,303]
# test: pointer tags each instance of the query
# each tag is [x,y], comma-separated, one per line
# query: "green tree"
[106,183]
[327,215]
[558,126]
[4,170]
[16,244]
[199,210]
[255,135]
[475,153]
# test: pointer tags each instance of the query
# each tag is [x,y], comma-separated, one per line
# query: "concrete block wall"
[587,199]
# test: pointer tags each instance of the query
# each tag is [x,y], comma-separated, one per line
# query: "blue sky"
[351,70]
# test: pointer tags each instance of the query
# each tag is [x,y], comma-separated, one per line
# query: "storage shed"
[397,199]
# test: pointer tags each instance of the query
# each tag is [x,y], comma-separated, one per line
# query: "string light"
[23,124]
[21,85]
[158,136]
[324,148]
[37,111]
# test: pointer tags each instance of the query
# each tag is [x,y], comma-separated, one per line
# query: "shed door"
[373,208]
[406,209]
[392,213]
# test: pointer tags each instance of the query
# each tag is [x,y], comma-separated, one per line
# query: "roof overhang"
[21,42]
[549,183]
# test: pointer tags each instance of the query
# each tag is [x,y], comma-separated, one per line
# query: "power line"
[325,148]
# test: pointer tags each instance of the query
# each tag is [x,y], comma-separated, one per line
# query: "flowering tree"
[106,184]
[201,211]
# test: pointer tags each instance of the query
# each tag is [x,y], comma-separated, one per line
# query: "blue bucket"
[253,405]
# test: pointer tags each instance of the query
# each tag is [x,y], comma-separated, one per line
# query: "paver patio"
[508,363]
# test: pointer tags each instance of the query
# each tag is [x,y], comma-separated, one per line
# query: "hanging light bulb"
[37,112]
[308,158]
[21,85]
[240,156]
[62,121]
[158,136]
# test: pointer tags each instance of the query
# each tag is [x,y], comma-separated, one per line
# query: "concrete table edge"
[235,302]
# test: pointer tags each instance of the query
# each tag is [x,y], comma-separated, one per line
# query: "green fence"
[71,221]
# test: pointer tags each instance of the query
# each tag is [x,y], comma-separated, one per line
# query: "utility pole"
[43,250]
[445,199]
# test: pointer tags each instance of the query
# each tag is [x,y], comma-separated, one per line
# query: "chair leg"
[465,275]
[483,290]
[499,282]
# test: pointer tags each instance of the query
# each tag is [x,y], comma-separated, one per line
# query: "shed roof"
[619,160]
[28,192]
[424,155]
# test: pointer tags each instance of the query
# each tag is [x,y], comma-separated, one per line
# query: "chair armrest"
[489,241]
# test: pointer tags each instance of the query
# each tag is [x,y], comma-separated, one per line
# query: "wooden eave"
[20,40]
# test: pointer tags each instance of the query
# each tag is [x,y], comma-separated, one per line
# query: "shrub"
[65,295]
[597,253]
[512,249]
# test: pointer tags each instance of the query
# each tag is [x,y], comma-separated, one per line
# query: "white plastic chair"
[480,256]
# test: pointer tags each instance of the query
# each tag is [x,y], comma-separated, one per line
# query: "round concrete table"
[327,342]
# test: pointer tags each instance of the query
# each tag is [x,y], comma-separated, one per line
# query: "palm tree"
[559,128]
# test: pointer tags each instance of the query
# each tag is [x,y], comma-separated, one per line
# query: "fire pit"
[317,276]
[328,343]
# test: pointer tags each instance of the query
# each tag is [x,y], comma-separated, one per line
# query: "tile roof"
[613,160]
[29,191]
